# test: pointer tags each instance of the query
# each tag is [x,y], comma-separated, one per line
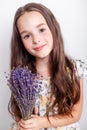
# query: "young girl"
[37,42]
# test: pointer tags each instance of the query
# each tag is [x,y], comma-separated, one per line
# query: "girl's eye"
[42,30]
[26,36]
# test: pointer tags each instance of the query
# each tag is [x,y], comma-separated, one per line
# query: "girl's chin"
[42,57]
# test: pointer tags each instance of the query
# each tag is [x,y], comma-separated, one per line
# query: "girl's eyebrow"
[23,32]
[39,25]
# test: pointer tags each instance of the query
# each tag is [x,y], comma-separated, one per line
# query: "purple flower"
[25,89]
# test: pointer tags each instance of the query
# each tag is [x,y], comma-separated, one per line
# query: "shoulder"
[80,68]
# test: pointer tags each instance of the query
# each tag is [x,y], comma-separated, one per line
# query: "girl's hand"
[34,123]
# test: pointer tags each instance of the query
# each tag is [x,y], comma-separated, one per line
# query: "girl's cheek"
[26,44]
[48,35]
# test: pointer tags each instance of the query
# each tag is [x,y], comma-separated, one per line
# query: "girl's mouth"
[39,47]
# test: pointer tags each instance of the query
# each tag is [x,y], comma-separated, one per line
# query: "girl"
[37,42]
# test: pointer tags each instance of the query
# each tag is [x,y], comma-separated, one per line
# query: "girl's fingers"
[27,126]
[36,110]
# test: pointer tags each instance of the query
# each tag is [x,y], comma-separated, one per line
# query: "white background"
[72,16]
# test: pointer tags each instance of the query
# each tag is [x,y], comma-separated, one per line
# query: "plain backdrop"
[72,17]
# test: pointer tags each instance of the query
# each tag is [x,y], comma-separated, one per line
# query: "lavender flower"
[25,89]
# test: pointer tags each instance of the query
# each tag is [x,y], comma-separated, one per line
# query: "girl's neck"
[42,66]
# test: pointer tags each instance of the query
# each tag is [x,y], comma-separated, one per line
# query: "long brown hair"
[65,86]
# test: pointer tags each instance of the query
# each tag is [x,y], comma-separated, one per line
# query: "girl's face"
[35,34]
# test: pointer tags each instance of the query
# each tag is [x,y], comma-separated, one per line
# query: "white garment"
[81,71]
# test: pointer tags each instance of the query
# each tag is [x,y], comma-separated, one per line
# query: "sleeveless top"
[80,71]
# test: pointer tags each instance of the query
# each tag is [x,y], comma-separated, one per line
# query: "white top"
[81,71]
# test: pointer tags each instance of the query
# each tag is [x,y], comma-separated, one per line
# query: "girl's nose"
[36,39]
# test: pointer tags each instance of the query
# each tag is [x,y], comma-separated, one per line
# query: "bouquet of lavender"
[25,89]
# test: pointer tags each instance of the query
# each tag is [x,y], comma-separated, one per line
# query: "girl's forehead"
[30,19]
[32,16]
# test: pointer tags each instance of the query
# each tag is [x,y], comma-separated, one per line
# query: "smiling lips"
[39,48]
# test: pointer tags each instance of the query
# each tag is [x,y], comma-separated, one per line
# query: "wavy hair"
[64,84]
